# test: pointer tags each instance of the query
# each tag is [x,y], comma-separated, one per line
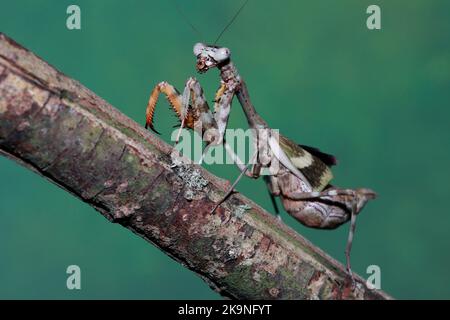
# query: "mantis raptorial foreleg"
[188,113]
[222,107]
[193,110]
[194,104]
[173,97]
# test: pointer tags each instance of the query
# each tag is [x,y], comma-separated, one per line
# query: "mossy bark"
[64,132]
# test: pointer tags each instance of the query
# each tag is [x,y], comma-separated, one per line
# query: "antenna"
[231,21]
[186,19]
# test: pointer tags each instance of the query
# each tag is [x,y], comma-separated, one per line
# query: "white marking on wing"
[302,162]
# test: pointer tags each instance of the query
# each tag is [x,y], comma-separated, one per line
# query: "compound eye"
[198,48]
[222,54]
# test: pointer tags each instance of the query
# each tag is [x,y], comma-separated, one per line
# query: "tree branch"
[56,127]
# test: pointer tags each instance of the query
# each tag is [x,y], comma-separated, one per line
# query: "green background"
[379,100]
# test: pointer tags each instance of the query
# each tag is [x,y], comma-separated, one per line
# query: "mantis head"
[210,56]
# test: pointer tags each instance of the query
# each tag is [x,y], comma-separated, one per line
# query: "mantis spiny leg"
[222,107]
[172,96]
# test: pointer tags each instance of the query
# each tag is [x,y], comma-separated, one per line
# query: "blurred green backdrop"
[379,100]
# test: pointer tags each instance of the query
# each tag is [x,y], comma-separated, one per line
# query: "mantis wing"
[303,164]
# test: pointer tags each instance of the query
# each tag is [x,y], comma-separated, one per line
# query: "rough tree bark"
[56,127]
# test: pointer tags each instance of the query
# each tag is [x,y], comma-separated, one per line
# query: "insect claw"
[150,126]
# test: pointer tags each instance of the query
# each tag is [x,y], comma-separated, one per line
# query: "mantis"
[299,175]
[302,178]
